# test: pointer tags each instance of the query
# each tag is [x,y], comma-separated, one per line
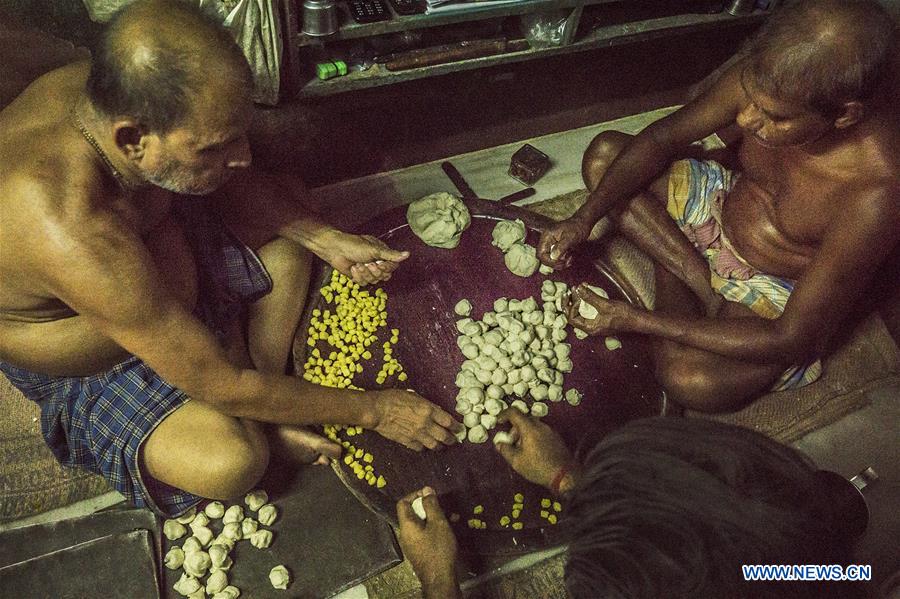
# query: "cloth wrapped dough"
[439,219]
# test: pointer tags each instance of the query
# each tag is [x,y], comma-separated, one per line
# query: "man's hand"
[537,452]
[363,258]
[409,419]
[611,314]
[429,545]
[555,243]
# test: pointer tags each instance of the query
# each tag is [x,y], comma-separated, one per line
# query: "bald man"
[152,279]
[757,264]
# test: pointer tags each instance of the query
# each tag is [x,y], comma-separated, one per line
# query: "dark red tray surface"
[618,386]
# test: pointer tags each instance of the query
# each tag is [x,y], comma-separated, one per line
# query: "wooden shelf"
[598,38]
[351,30]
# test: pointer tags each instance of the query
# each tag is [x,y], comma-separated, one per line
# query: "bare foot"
[302,445]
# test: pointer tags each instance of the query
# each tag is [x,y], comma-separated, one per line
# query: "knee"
[602,150]
[285,260]
[694,386]
[237,463]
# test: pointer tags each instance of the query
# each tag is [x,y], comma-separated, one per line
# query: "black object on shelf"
[368,11]
[408,7]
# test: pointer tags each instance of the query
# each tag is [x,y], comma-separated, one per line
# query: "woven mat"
[542,580]
[31,480]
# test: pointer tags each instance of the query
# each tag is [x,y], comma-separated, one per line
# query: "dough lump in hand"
[506,233]
[439,219]
[521,259]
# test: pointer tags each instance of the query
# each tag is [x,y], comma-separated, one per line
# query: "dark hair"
[823,53]
[155,86]
[672,507]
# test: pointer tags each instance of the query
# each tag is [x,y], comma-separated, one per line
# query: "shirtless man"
[811,211]
[123,294]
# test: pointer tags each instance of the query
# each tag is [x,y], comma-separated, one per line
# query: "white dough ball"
[477,434]
[506,233]
[539,392]
[463,307]
[279,577]
[174,529]
[256,499]
[538,409]
[216,582]
[520,405]
[554,393]
[493,406]
[197,563]
[174,558]
[521,259]
[267,514]
[261,539]
[234,513]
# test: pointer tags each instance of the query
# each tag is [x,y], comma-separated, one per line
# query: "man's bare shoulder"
[44,96]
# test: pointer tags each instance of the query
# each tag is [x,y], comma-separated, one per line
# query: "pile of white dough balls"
[518,349]
[439,219]
[520,258]
[205,553]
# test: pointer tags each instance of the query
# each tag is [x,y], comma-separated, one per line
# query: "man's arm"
[652,150]
[824,295]
[105,273]
[259,205]
[643,160]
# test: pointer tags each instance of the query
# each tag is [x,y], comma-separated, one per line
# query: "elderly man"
[124,291]
[791,238]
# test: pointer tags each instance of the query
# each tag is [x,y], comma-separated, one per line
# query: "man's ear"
[853,112]
[129,136]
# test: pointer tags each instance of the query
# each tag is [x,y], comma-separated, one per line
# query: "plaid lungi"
[697,190]
[100,422]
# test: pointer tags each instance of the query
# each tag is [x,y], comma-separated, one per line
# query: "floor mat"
[31,480]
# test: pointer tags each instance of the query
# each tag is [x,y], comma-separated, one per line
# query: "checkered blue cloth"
[100,422]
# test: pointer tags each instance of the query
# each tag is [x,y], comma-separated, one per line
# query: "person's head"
[672,507]
[816,66]
[175,89]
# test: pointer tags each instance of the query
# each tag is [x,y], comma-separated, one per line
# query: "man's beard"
[173,177]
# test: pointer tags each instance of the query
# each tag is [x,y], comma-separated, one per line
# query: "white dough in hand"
[418,508]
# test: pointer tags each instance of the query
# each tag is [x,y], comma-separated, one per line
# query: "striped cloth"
[697,190]
[100,422]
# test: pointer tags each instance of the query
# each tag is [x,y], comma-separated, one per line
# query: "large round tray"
[618,386]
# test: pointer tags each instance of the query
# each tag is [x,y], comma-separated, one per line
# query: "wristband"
[559,476]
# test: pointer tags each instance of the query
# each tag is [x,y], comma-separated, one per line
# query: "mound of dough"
[521,259]
[508,232]
[439,219]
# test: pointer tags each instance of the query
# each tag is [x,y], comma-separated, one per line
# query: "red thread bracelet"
[558,478]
